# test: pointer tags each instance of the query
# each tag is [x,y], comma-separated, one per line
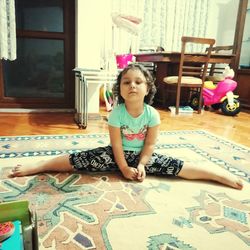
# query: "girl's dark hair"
[149,80]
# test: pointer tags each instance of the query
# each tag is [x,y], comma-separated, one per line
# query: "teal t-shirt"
[133,130]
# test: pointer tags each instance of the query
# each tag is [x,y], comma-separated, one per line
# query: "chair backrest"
[219,68]
[195,63]
[223,49]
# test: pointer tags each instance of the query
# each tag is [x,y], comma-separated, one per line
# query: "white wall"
[90,19]
[224,23]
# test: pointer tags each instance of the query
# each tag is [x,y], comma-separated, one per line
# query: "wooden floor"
[233,128]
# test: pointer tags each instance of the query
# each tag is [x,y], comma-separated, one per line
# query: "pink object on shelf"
[122,61]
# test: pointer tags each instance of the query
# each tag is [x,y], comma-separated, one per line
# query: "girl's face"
[133,86]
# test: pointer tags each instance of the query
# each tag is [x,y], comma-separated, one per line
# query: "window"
[41,76]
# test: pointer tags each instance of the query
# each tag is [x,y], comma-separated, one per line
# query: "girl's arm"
[116,143]
[149,144]
[147,150]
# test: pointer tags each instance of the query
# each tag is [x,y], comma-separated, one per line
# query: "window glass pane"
[38,70]
[39,15]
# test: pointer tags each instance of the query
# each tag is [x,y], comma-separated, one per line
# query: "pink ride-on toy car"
[220,95]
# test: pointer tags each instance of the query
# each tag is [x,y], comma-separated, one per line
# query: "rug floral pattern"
[104,211]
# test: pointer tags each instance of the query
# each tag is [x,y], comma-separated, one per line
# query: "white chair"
[85,77]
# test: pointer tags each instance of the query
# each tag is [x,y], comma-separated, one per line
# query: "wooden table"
[170,57]
[167,64]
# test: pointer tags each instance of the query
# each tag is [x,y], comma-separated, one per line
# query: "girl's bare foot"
[212,173]
[230,180]
[57,164]
[23,170]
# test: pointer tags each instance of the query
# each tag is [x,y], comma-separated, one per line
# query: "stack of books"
[187,110]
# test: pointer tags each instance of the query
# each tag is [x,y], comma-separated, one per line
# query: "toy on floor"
[220,95]
[6,230]
[106,96]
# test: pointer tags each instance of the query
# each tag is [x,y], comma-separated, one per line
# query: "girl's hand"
[141,173]
[130,173]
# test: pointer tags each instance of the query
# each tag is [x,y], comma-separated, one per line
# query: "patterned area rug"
[104,211]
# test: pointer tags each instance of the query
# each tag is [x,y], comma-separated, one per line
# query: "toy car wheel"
[216,106]
[194,102]
[230,110]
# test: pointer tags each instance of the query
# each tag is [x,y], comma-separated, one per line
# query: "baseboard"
[94,116]
[23,110]
[91,116]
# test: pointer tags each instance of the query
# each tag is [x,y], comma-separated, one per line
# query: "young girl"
[133,129]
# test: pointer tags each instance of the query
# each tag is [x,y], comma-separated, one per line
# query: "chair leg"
[177,105]
[200,101]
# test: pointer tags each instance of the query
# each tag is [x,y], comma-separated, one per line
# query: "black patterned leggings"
[102,160]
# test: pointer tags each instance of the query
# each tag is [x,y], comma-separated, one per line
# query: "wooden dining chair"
[192,68]
[215,71]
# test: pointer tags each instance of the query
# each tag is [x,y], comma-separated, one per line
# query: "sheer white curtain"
[118,40]
[125,41]
[165,21]
[7,30]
